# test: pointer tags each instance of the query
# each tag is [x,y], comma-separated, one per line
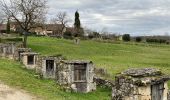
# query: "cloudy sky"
[137,17]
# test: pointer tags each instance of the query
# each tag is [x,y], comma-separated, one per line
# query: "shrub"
[68,35]
[12,40]
[126,37]
[152,40]
[138,39]
[90,36]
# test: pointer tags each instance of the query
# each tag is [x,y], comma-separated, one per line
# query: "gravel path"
[8,93]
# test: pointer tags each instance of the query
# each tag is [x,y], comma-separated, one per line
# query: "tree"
[138,39]
[27,13]
[126,37]
[62,19]
[8,26]
[77,25]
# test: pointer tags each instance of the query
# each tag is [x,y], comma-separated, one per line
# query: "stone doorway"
[30,60]
[80,72]
[50,67]
[157,91]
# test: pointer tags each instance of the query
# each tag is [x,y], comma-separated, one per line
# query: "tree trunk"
[25,41]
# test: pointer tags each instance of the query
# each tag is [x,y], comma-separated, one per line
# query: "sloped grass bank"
[113,57]
[12,73]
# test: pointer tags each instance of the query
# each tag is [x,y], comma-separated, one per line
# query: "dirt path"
[8,93]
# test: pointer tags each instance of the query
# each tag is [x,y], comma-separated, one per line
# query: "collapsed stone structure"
[3,50]
[141,84]
[8,49]
[76,75]
[29,59]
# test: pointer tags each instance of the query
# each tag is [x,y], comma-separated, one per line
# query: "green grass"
[113,57]
[13,74]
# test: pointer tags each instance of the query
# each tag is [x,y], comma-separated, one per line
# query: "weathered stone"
[103,82]
[47,66]
[18,51]
[142,72]
[29,59]
[78,75]
[140,84]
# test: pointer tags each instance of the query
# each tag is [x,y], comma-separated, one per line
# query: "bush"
[90,36]
[126,37]
[68,35]
[138,39]
[12,40]
[152,40]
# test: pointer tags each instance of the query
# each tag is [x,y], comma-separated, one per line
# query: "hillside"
[113,57]
[12,73]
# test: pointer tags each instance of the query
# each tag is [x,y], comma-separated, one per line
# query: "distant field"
[113,57]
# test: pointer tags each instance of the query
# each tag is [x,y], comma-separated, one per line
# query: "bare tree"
[27,13]
[62,19]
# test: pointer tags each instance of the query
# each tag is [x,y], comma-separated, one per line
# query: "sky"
[136,17]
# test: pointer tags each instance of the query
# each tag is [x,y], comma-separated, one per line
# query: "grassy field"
[113,57]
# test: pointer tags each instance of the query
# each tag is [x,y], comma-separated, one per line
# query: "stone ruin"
[47,66]
[18,51]
[29,59]
[76,75]
[10,50]
[7,50]
[2,50]
[141,84]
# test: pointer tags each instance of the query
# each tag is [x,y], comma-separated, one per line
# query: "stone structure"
[76,75]
[29,59]
[47,66]
[18,52]
[141,84]
[10,50]
[3,50]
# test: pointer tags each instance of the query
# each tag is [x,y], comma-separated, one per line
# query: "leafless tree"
[62,19]
[27,13]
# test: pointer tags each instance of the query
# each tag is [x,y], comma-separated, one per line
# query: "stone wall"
[24,59]
[140,84]
[66,76]
[103,82]
[20,50]
[43,66]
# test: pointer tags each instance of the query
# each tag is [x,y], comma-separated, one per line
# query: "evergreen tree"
[77,26]
[8,27]
[77,23]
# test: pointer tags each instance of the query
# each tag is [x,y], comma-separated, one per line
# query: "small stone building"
[10,50]
[76,75]
[2,51]
[47,66]
[18,52]
[141,84]
[29,59]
